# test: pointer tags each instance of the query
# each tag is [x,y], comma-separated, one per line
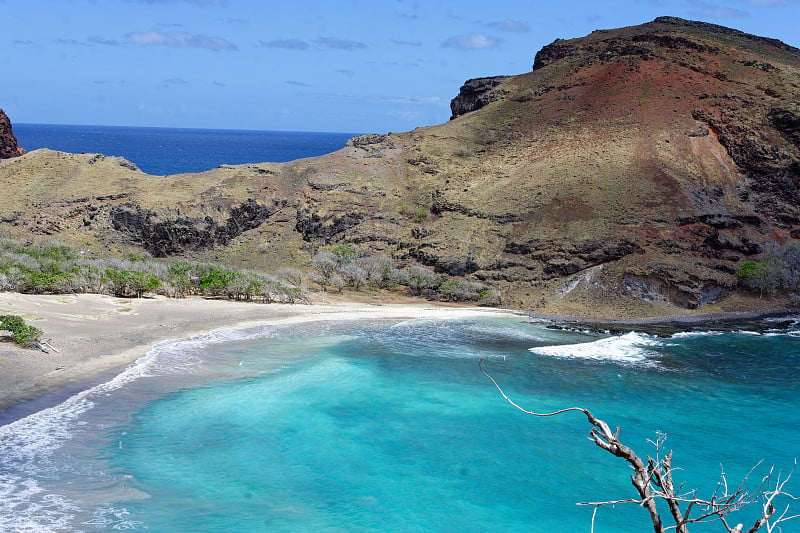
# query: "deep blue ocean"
[163,151]
[390,426]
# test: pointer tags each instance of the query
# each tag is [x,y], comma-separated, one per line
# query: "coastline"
[97,336]
[668,325]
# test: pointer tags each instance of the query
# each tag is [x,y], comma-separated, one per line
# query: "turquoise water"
[389,426]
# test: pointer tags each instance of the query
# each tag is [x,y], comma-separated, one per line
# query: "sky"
[352,66]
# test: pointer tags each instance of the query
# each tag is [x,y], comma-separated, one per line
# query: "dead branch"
[653,481]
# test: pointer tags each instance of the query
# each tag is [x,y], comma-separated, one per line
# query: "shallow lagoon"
[390,426]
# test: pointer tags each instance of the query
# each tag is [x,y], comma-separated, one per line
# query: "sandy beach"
[96,336]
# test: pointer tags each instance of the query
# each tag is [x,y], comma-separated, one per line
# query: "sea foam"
[31,447]
[630,348]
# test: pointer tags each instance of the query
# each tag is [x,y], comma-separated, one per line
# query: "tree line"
[54,268]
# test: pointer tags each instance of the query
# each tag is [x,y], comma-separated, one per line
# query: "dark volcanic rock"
[163,235]
[554,51]
[323,229]
[787,123]
[8,142]
[707,27]
[475,94]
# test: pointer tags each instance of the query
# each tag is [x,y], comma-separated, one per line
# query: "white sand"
[96,334]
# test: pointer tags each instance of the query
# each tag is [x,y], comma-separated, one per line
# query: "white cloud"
[340,44]
[472,41]
[410,100]
[71,42]
[174,82]
[406,43]
[179,39]
[286,44]
[511,26]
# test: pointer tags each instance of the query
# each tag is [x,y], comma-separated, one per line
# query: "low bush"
[21,333]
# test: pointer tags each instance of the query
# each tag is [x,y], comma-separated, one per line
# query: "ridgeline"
[633,172]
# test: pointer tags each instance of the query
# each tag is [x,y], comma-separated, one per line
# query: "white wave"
[693,334]
[29,446]
[630,348]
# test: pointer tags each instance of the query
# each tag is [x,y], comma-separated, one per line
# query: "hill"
[631,172]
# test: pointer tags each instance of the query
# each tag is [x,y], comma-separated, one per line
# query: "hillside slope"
[631,171]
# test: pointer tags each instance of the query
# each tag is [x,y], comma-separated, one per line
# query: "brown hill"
[632,171]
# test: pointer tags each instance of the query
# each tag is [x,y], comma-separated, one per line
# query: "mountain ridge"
[630,172]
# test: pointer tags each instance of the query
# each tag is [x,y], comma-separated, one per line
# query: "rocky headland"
[630,173]
[8,142]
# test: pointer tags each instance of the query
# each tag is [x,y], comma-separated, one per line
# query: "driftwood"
[652,479]
[45,346]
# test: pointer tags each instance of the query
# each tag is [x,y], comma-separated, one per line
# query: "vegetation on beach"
[777,268]
[53,268]
[345,266]
[56,269]
[21,333]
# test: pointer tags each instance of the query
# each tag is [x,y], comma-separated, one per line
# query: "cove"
[390,426]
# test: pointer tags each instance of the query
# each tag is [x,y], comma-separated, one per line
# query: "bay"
[390,426]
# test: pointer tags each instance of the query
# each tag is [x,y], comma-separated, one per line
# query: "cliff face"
[8,142]
[475,94]
[631,171]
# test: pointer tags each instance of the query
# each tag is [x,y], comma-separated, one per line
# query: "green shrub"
[215,280]
[181,277]
[48,252]
[416,214]
[45,281]
[127,283]
[762,276]
[345,253]
[21,333]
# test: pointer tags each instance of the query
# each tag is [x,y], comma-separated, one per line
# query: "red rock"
[8,142]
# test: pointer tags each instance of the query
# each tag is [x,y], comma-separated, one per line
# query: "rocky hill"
[8,142]
[632,171]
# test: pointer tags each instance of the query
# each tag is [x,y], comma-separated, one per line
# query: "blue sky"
[305,65]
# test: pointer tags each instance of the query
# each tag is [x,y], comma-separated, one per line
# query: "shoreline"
[98,336]
[667,325]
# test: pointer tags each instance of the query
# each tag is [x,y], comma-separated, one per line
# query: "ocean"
[163,151]
[390,426]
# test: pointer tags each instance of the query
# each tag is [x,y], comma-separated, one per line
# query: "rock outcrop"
[169,233]
[475,94]
[8,142]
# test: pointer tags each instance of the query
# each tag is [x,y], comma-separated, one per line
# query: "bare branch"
[653,480]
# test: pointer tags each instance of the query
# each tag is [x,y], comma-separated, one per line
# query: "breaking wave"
[41,447]
[630,348]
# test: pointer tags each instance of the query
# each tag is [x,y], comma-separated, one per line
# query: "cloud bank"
[179,39]
[471,41]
